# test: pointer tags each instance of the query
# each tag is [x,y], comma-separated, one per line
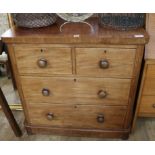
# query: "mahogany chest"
[77,82]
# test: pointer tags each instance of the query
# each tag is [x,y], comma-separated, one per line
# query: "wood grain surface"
[58,59]
[75,33]
[146,99]
[147,105]
[149,83]
[120,61]
[77,116]
[70,83]
[76,90]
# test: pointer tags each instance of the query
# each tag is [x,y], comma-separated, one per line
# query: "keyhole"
[74,80]
[105,51]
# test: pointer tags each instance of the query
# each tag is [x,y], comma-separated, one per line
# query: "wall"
[4,24]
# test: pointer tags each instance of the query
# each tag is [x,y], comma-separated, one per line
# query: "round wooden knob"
[42,63]
[104,64]
[100,118]
[45,92]
[50,116]
[153,105]
[102,94]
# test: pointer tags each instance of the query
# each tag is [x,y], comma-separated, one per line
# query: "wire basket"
[34,20]
[121,21]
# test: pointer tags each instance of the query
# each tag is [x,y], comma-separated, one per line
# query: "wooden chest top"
[75,33]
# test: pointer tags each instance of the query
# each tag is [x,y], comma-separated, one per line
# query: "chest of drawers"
[77,84]
[146,99]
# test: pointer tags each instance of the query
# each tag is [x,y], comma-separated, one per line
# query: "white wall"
[4,24]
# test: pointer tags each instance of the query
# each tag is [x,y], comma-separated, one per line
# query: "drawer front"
[77,116]
[149,83]
[109,62]
[147,105]
[149,87]
[150,71]
[80,90]
[43,60]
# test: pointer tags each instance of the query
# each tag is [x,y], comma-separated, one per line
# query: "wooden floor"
[145,127]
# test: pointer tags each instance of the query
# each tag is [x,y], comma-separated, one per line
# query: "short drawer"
[105,62]
[149,80]
[147,105]
[150,73]
[43,60]
[101,91]
[77,116]
[149,86]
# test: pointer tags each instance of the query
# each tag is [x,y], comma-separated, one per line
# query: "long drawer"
[77,116]
[105,62]
[43,60]
[98,91]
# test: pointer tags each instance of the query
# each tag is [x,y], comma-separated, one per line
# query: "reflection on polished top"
[75,33]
